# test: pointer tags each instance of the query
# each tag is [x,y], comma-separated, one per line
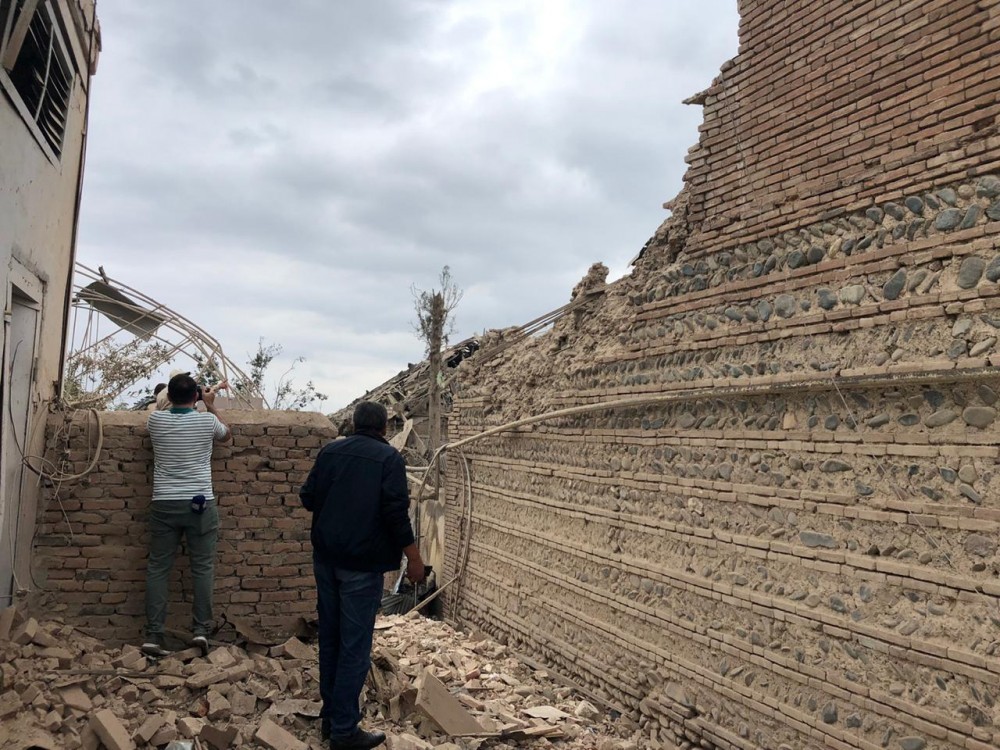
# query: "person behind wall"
[183,505]
[358,497]
[155,403]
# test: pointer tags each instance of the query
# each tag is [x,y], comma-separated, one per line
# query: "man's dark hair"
[182,389]
[370,417]
[159,387]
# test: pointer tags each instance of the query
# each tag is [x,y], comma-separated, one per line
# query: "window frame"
[5,23]
[60,47]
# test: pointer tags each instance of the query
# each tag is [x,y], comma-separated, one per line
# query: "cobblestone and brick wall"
[789,539]
[90,549]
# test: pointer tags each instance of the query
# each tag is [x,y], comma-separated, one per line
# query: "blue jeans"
[347,602]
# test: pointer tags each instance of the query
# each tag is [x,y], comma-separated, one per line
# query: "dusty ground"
[60,688]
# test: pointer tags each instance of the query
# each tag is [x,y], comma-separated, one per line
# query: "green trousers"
[168,522]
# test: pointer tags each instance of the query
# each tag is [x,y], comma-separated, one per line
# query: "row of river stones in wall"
[943,211]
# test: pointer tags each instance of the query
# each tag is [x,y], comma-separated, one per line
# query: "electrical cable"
[800,385]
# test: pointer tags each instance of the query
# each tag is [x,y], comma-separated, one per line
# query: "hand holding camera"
[208,393]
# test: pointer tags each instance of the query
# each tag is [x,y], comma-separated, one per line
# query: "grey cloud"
[333,155]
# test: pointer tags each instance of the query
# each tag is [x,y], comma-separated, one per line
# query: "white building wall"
[38,211]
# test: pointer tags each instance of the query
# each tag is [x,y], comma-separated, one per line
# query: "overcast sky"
[289,170]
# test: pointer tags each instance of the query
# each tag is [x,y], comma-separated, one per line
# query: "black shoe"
[153,647]
[358,740]
[200,642]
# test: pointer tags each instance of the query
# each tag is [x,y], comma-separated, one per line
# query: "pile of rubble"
[429,687]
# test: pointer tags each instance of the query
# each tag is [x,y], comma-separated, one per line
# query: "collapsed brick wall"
[91,541]
[792,542]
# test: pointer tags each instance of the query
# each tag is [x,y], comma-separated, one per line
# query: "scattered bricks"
[218,739]
[236,674]
[89,739]
[439,705]
[403,704]
[106,725]
[206,677]
[166,681]
[32,693]
[407,741]
[7,617]
[149,728]
[273,736]
[73,697]
[64,657]
[53,721]
[222,658]
[190,726]
[219,708]
[293,648]
[25,632]
[187,654]
[242,703]
[10,704]
[166,733]
[130,658]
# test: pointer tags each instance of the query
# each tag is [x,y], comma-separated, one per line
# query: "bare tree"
[283,393]
[434,325]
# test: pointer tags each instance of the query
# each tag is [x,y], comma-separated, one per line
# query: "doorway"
[19,344]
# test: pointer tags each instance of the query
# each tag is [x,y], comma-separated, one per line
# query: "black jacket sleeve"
[395,502]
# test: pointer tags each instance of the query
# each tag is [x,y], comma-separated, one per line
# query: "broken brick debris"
[273,736]
[61,689]
[107,726]
[6,622]
[149,727]
[293,648]
[218,739]
[434,700]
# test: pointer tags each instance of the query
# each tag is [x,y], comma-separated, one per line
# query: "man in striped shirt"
[183,505]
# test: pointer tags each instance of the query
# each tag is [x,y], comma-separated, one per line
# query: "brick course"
[91,540]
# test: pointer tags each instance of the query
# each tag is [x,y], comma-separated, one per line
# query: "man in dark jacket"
[359,499]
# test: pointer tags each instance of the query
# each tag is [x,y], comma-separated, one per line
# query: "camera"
[201,394]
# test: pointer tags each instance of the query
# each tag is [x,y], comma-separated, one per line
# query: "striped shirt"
[182,453]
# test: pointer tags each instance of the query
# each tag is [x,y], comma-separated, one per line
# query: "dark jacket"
[360,504]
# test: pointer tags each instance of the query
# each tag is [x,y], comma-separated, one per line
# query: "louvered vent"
[43,76]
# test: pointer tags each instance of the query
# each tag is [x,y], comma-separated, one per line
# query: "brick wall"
[90,546]
[789,539]
[831,107]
